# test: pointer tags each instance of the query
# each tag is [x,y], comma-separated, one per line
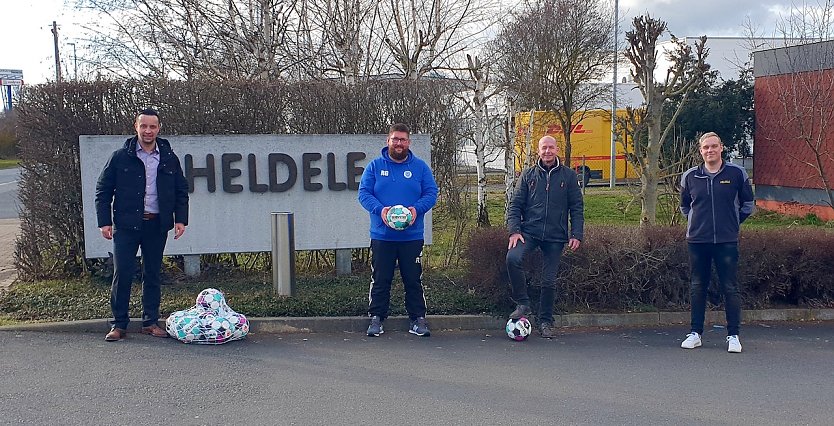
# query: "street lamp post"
[613,178]
[74,62]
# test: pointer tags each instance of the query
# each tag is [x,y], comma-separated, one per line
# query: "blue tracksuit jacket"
[387,183]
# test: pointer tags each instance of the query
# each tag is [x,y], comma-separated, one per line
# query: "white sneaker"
[693,340]
[733,345]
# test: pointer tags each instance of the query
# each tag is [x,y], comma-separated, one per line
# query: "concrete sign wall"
[238,180]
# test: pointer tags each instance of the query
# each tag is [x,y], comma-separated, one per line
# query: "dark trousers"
[385,256]
[725,257]
[126,243]
[551,256]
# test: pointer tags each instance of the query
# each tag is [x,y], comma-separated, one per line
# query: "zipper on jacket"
[710,191]
[546,202]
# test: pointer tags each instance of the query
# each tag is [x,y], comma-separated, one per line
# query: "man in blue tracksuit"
[716,198]
[397,177]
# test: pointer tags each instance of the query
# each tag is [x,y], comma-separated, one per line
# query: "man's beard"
[397,155]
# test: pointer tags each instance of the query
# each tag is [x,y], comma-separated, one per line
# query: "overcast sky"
[27,40]
[714,18]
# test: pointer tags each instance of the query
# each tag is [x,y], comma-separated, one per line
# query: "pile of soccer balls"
[519,329]
[210,321]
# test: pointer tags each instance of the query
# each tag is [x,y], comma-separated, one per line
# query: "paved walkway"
[9,229]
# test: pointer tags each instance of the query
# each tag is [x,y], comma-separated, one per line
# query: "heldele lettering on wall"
[236,182]
[281,172]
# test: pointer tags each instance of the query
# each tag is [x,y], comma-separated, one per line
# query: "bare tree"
[215,39]
[482,129]
[283,39]
[341,38]
[683,76]
[808,22]
[552,53]
[426,36]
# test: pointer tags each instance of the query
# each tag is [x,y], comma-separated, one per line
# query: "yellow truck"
[590,143]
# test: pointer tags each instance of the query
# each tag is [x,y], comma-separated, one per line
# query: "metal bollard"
[191,263]
[343,261]
[283,253]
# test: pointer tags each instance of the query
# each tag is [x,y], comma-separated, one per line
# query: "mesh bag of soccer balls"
[210,321]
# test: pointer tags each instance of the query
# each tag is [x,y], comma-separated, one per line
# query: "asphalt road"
[625,376]
[8,193]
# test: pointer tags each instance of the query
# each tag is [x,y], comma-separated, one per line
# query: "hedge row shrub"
[624,268]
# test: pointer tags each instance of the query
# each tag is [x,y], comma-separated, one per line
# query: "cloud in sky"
[717,18]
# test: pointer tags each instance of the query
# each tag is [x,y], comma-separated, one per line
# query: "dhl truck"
[590,143]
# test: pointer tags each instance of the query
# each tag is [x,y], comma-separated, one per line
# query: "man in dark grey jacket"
[143,186]
[545,198]
[716,197]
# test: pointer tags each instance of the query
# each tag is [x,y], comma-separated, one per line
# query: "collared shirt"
[151,161]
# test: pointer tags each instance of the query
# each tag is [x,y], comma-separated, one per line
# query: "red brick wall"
[790,107]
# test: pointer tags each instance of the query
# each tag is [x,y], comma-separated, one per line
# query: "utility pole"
[74,62]
[57,54]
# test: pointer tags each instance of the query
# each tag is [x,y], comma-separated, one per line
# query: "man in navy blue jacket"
[716,198]
[141,195]
[397,177]
[546,197]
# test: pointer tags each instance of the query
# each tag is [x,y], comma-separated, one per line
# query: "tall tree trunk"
[509,158]
[648,193]
[479,108]
[480,160]
[480,167]
[650,175]
[568,147]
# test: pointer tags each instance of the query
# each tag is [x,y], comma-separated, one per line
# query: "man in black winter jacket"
[141,195]
[716,197]
[545,198]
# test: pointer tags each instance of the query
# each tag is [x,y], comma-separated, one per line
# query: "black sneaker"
[420,327]
[521,311]
[546,330]
[375,329]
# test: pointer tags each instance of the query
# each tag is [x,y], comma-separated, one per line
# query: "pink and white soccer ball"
[519,329]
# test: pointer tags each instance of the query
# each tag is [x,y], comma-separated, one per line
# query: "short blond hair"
[708,135]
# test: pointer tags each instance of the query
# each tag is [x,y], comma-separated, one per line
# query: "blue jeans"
[551,256]
[725,257]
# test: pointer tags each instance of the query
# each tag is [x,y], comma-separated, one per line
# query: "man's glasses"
[398,140]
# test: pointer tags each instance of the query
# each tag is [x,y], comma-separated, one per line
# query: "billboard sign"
[10,74]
